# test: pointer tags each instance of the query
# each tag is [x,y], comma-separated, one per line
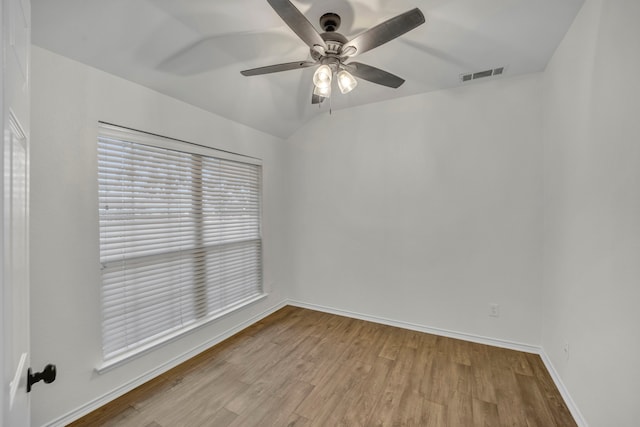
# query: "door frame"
[15,42]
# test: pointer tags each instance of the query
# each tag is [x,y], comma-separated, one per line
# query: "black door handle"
[48,375]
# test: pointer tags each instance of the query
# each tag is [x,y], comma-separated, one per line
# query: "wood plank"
[508,398]
[485,414]
[409,410]
[433,414]
[219,418]
[391,396]
[459,410]
[321,403]
[296,420]
[421,367]
[436,386]
[482,385]
[392,344]
[535,407]
[368,393]
[272,410]
[283,412]
[552,396]
[195,406]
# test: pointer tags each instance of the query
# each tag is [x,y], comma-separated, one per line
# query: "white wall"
[424,209]
[592,212]
[68,100]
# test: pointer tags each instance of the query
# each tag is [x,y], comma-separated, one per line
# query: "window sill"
[123,358]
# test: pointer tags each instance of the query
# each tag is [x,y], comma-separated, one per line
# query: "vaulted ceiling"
[194,50]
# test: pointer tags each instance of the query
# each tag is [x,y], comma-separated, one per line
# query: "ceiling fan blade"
[219,51]
[277,68]
[298,23]
[384,32]
[374,75]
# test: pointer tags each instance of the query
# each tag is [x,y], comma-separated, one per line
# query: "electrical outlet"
[494,310]
[565,350]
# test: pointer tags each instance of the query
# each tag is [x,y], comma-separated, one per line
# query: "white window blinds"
[179,236]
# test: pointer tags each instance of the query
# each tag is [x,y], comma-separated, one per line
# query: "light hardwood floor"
[300,367]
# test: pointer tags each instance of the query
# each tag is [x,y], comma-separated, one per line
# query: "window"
[180,239]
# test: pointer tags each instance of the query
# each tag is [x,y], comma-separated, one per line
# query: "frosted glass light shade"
[322,91]
[322,76]
[346,82]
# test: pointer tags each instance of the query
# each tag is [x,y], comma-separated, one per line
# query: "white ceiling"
[194,50]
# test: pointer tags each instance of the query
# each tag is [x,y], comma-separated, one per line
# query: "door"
[14,107]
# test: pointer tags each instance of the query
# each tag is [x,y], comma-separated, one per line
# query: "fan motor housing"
[330,22]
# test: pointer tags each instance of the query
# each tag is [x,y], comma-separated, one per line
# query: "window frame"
[128,135]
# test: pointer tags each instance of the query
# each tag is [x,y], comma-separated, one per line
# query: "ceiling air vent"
[481,74]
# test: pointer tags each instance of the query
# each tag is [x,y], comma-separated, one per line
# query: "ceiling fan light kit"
[330,50]
[346,82]
[324,92]
[323,76]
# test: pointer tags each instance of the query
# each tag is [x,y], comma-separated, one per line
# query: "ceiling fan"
[330,50]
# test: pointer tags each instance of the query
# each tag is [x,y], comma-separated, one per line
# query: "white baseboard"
[512,345]
[527,348]
[114,394]
[568,400]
